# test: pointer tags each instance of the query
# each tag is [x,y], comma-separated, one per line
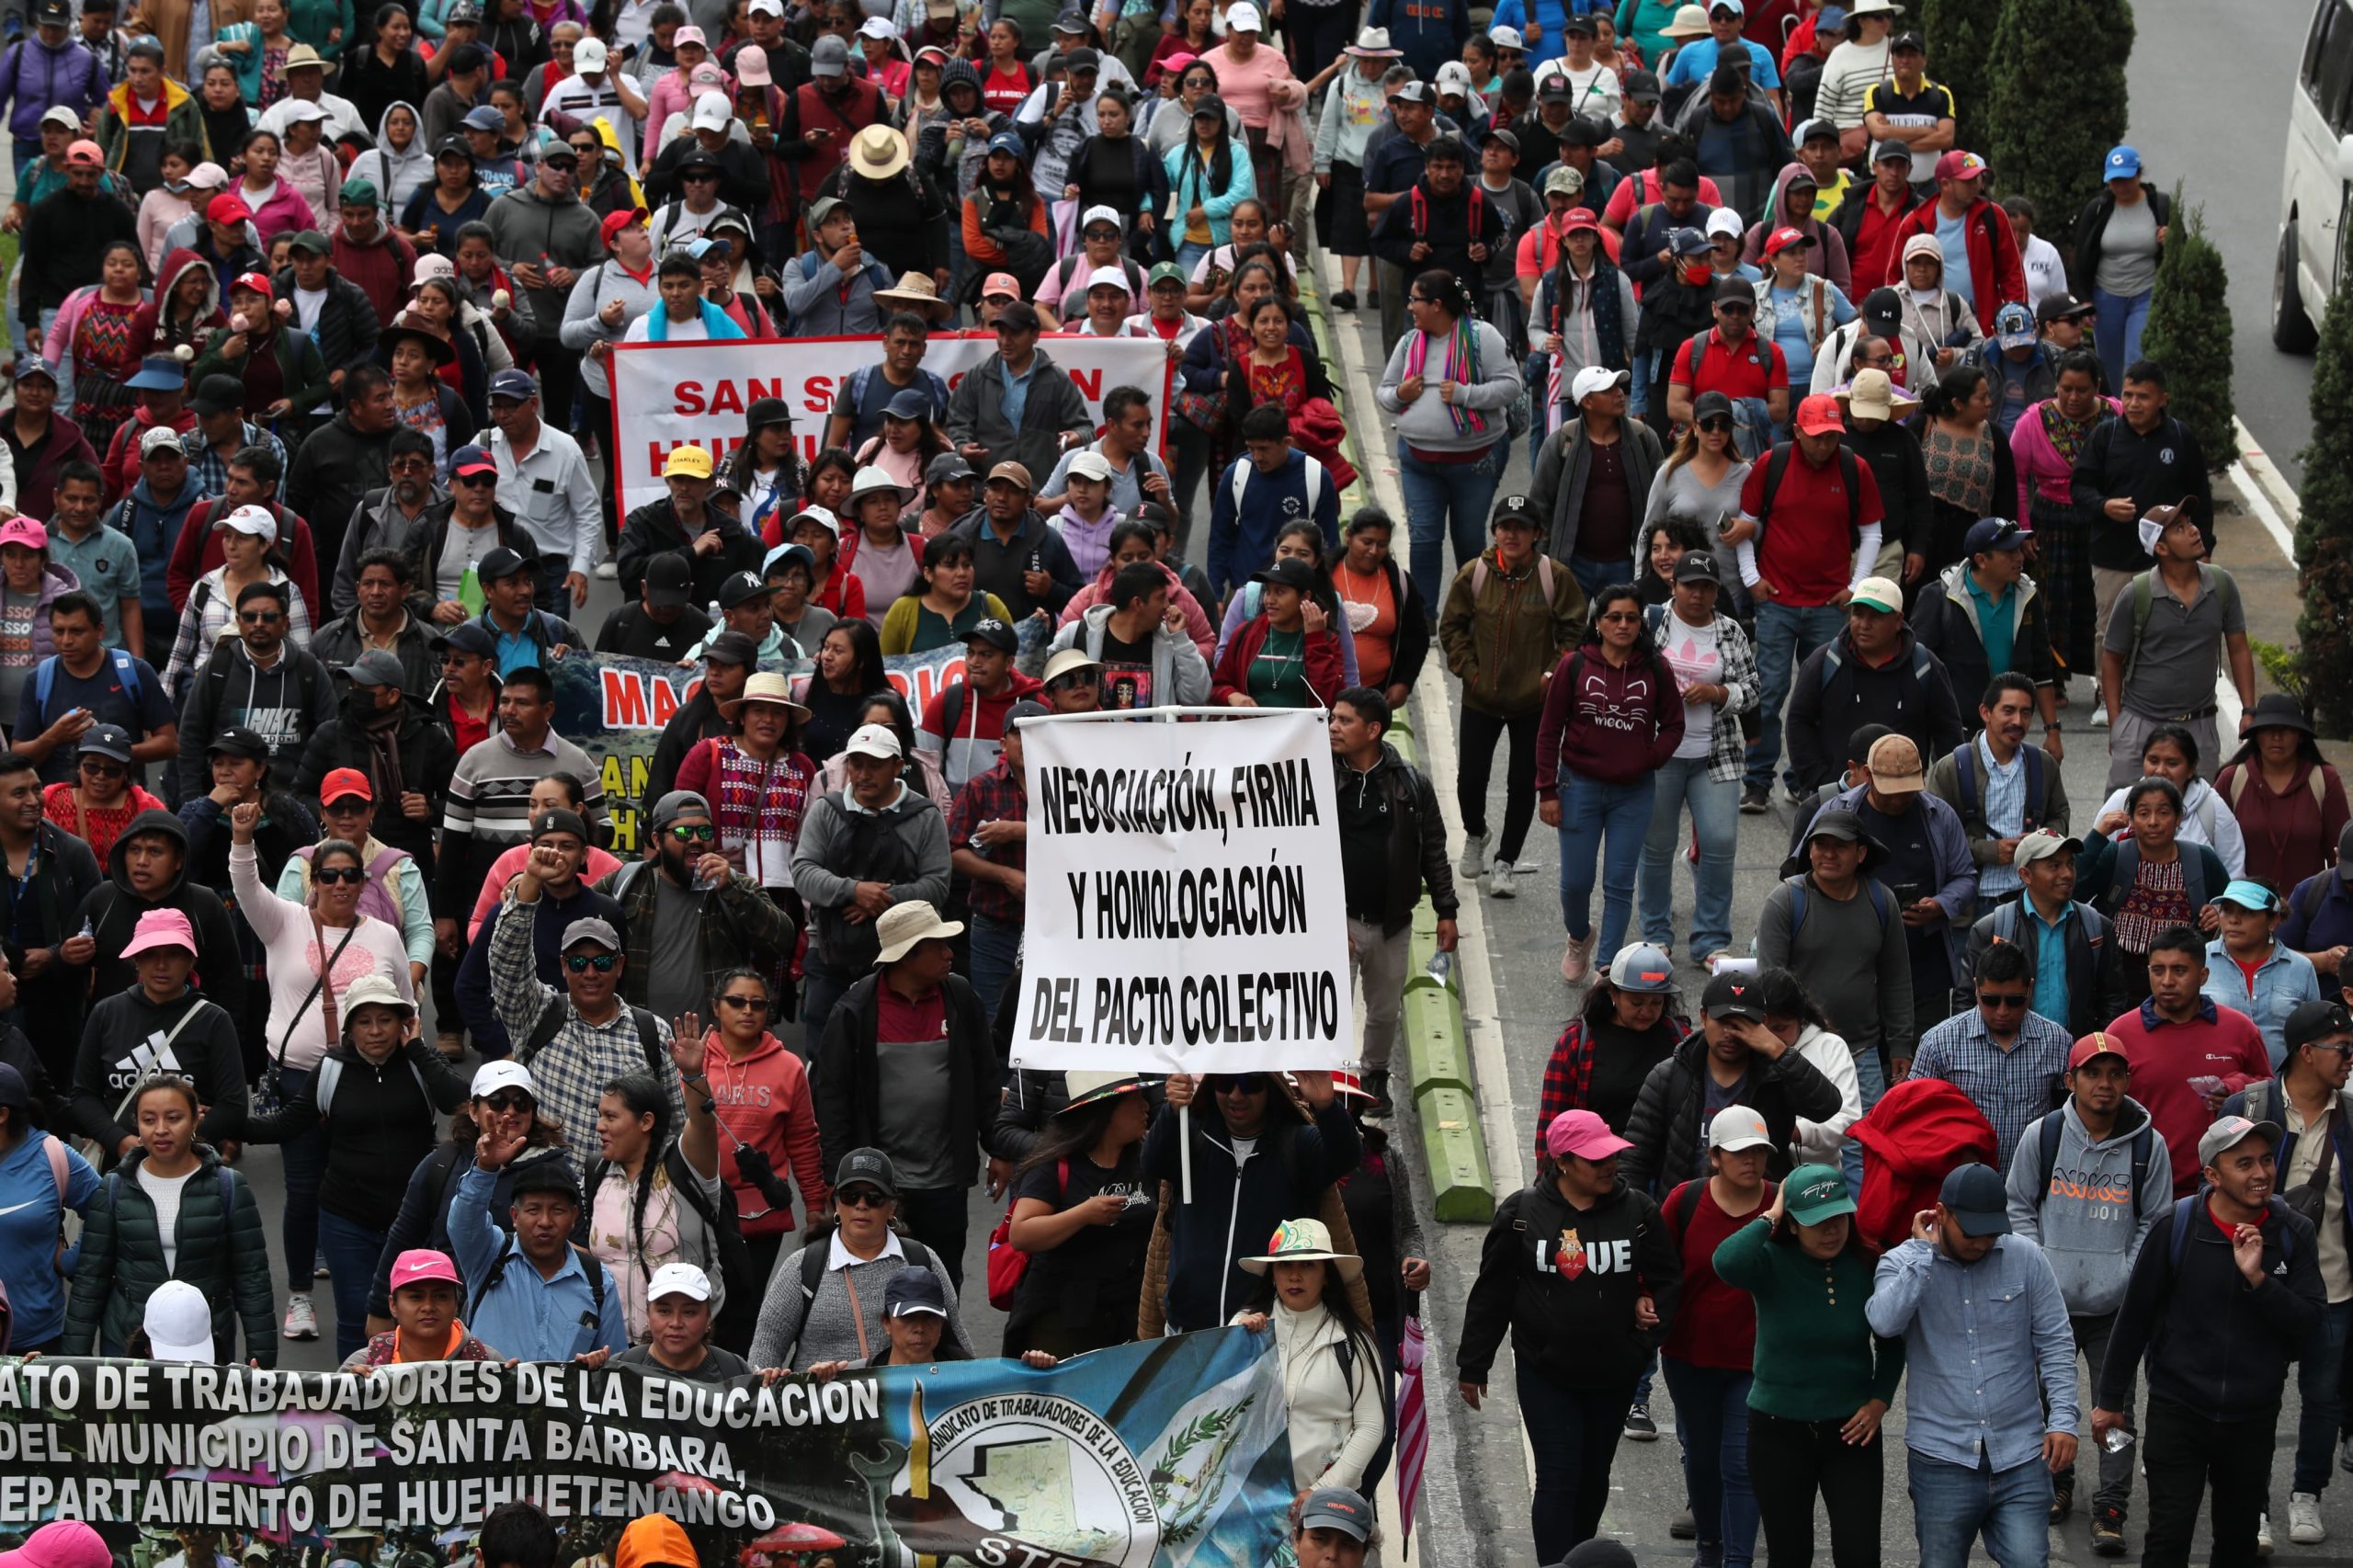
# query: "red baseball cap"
[84,155]
[1818,415]
[253,281]
[345,781]
[2097,1043]
[1958,165]
[616,221]
[1579,218]
[1781,240]
[228,208]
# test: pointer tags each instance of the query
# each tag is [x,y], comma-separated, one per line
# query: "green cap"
[359,193]
[1165,272]
[1812,1193]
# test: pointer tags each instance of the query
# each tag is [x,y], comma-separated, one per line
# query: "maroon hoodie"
[1605,724]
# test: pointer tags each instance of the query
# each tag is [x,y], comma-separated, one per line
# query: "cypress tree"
[2048,145]
[1959,36]
[2324,529]
[2189,332]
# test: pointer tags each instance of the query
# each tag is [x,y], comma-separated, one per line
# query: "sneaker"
[1685,1526]
[2263,1535]
[2345,1455]
[319,1267]
[1346,300]
[1474,858]
[1755,799]
[450,1044]
[1577,958]
[608,571]
[1709,962]
[1499,880]
[301,1323]
[2108,1532]
[2100,719]
[2303,1520]
[1794,795]
[2063,1498]
[1640,1428]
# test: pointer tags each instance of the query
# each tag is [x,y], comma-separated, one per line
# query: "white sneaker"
[2099,722]
[2263,1535]
[608,571]
[301,1323]
[1499,880]
[1474,858]
[1577,958]
[2303,1520]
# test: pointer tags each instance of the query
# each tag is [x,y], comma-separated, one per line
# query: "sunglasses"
[509,1101]
[2002,1000]
[700,178]
[860,1197]
[261,617]
[1719,422]
[1240,1083]
[334,874]
[749,1003]
[581,963]
[693,832]
[97,769]
[1733,308]
[473,479]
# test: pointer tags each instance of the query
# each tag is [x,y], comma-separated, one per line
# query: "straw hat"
[1303,1241]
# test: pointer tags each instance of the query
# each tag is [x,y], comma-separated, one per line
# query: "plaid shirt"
[1727,747]
[209,471]
[574,1069]
[994,796]
[1568,1076]
[2005,799]
[2013,1088]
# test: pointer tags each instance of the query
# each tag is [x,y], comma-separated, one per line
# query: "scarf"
[1609,322]
[716,323]
[1462,363]
[382,728]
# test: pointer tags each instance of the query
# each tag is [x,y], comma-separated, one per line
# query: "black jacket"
[1445,223]
[1893,453]
[2213,1343]
[2091,226]
[51,1003]
[426,536]
[848,1077]
[1664,1125]
[698,719]
[1572,1312]
[113,911]
[2160,469]
[1416,852]
[2096,988]
[379,1126]
[1835,692]
[376,523]
[901,221]
[423,759]
[654,530]
[64,240]
[337,463]
[203,1041]
[1947,628]
[294,695]
[742,176]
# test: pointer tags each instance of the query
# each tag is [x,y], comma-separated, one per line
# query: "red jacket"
[1993,255]
[379,268]
[198,551]
[122,461]
[1920,1132]
[1325,675]
[764,1101]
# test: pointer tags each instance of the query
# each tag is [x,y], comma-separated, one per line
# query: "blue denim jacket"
[1982,1342]
[2283,980]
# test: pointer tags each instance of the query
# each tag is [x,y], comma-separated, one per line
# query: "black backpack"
[814,1257]
[1850,472]
[588,1266]
[551,1024]
[720,1220]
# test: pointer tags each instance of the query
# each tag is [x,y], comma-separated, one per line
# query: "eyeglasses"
[506,1102]
[2001,1001]
[332,875]
[97,769]
[581,963]
[1882,360]
[693,832]
[860,1197]
[1419,300]
[749,1003]
[473,479]
[261,617]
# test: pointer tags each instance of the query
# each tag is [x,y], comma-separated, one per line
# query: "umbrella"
[1412,1427]
[790,1541]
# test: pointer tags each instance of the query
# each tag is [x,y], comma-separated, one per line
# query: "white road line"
[2273,502]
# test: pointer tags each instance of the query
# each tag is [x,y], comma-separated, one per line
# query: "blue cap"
[1829,21]
[34,365]
[909,403]
[2122,163]
[2249,895]
[913,1291]
[158,372]
[482,116]
[1993,533]
[1008,141]
[517,385]
[1688,242]
[1977,1201]
[2014,326]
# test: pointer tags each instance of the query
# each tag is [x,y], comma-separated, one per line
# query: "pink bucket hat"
[160,928]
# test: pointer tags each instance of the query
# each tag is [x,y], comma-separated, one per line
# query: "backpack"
[126,670]
[331,1073]
[1965,769]
[2144,603]
[1882,903]
[1849,472]
[1684,1202]
[551,1024]
[2237,786]
[2185,1209]
[854,390]
[1417,213]
[2144,1147]
[2127,865]
[1833,660]
[1479,576]
[588,1266]
[734,1256]
[814,1257]
[380,895]
[1008,1265]
[1311,476]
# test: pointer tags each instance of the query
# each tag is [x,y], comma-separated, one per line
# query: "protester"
[537,1294]
[2249,970]
[1336,1413]
[653,1192]
[816,1311]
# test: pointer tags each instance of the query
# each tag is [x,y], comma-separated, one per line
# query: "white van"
[2316,193]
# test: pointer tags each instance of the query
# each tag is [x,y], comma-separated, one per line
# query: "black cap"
[1020,315]
[238,741]
[470,637]
[111,741]
[871,1166]
[732,648]
[550,1174]
[2314,1020]
[1736,291]
[915,1291]
[500,562]
[1698,566]
[1580,23]
[768,411]
[218,394]
[1908,39]
[559,819]
[2061,307]
[1882,308]
[1733,996]
[1583,130]
[15,1093]
[1296,574]
[668,579]
[1642,87]
[742,587]
[1515,509]
[996,633]
[1710,405]
[52,14]
[1556,90]
[1843,825]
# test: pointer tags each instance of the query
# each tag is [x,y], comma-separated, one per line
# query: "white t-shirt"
[680,331]
[2045,273]
[1599,94]
[165,1193]
[1693,654]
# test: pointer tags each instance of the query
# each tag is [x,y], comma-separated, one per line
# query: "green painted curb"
[1435,1052]
[1460,1190]
[1421,947]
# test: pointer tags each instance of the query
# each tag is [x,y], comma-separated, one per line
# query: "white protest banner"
[1185,910]
[674,394]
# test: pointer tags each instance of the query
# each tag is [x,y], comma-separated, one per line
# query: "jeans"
[305,1160]
[1711,1420]
[1871,1077]
[2318,1380]
[1189,256]
[2115,1470]
[1715,817]
[352,1252]
[2182,1452]
[1479,733]
[1574,1435]
[1638,385]
[1379,962]
[2116,327]
[1788,1462]
[996,950]
[1952,1505]
[1593,576]
[1605,822]
[939,1217]
[1785,635]
[1445,500]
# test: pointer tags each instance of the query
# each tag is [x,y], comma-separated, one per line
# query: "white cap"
[1089,465]
[432,263]
[1724,221]
[1109,277]
[1453,75]
[156,437]
[1593,379]
[765,9]
[58,114]
[875,740]
[879,26]
[1244,19]
[178,1322]
[1101,213]
[506,1073]
[1737,1126]
[253,520]
[711,112]
[678,1279]
[588,55]
[1506,37]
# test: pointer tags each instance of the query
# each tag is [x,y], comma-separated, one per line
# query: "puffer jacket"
[1664,1126]
[218,1248]
[1502,637]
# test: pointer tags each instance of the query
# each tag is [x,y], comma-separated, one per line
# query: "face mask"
[1699,271]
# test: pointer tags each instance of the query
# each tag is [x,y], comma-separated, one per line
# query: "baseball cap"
[1164,272]
[741,588]
[996,633]
[2099,1042]
[1838,823]
[228,208]
[1020,315]
[874,740]
[484,117]
[1895,768]
[679,1279]
[1001,285]
[1642,87]
[1642,969]
[1818,415]
[84,155]
[257,521]
[513,383]
[1107,278]
[1415,92]
[506,1073]
[1594,378]
[1583,1134]
[732,648]
[470,460]
[1518,510]
[499,563]
[1294,574]
[344,783]
[913,1291]
[588,56]
[1812,1193]
[1818,128]
[1578,217]
[687,463]
[1993,533]
[420,1264]
[178,1322]
[33,364]
[1012,473]
[25,531]
[1733,996]
[871,1166]
[236,740]
[2063,307]
[1738,1127]
[58,114]
[1555,88]
[2122,163]
[589,929]
[466,637]
[829,56]
[111,741]
[2041,843]
[377,666]
[2230,1132]
[1786,239]
[2014,326]
[1725,222]
[1698,566]
[1877,593]
[1958,165]
[712,113]
[616,221]
[2316,1019]
[1883,312]
[1336,1507]
[668,580]
[1973,1195]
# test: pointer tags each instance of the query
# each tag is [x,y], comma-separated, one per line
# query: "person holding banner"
[426,1293]
[538,1295]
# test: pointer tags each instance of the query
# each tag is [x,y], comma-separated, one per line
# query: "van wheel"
[2291,327]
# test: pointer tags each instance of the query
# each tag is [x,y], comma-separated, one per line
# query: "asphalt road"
[2210,88]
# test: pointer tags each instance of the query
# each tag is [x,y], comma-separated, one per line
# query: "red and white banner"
[675,394]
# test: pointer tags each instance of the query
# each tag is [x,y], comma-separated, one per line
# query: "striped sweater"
[489,809]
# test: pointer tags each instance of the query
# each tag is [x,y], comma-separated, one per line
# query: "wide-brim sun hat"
[1303,1241]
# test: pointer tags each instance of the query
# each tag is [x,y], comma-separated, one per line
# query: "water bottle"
[469,591]
[2116,1440]
[1441,968]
